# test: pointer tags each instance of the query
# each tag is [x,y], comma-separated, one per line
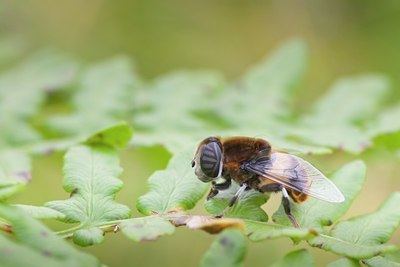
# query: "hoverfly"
[252,164]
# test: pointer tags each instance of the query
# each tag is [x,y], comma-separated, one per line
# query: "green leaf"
[88,236]
[386,122]
[16,132]
[297,258]
[248,205]
[103,98]
[362,237]
[23,89]
[90,175]
[316,213]
[228,250]
[346,138]
[264,94]
[297,148]
[344,262]
[161,119]
[343,130]
[393,256]
[174,142]
[281,70]
[10,255]
[146,228]
[385,129]
[41,212]
[15,172]
[343,247]
[368,90]
[39,243]
[161,109]
[46,147]
[391,259]
[174,189]
[374,228]
[251,106]
[389,141]
[117,135]
[381,261]
[258,231]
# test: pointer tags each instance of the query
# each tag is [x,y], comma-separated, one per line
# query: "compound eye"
[211,160]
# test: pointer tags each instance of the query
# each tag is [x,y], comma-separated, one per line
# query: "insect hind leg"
[286,206]
[274,187]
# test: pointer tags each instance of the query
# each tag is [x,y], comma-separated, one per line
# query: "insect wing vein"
[298,174]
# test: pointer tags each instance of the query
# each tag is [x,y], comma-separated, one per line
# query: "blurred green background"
[345,38]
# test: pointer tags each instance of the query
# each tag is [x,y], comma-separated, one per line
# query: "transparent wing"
[296,173]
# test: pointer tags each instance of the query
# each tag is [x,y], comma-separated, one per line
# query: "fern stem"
[5,227]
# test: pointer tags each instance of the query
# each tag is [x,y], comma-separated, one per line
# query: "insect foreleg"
[233,200]
[215,188]
[223,186]
[213,192]
[286,206]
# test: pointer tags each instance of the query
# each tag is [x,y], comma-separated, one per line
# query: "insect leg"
[271,188]
[223,186]
[216,187]
[233,200]
[286,206]
[213,192]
